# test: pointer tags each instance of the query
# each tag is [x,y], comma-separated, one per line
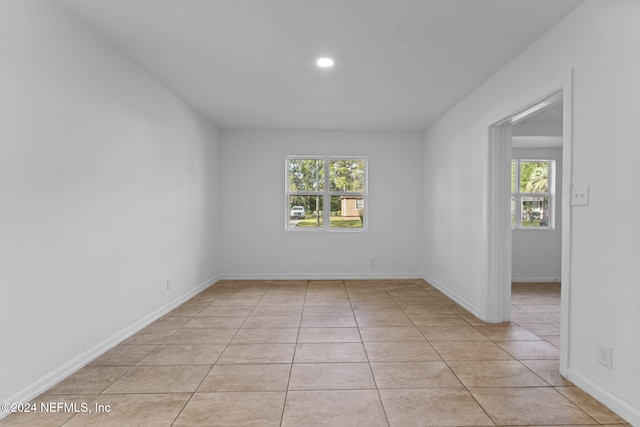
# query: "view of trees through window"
[531,195]
[326,192]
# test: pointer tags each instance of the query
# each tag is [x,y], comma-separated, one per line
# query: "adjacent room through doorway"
[536,219]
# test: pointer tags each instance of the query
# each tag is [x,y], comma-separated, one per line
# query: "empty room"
[319,213]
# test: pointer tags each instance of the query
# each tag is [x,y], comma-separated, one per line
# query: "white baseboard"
[617,405]
[49,380]
[535,280]
[320,276]
[455,297]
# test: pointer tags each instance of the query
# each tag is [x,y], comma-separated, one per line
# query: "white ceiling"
[400,64]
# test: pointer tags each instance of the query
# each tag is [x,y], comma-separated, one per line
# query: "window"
[532,194]
[326,193]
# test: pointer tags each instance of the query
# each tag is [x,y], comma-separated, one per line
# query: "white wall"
[254,243]
[597,41]
[536,253]
[108,187]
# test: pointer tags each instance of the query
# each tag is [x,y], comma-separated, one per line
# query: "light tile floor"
[330,353]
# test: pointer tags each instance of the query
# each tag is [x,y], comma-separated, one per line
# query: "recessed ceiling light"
[325,62]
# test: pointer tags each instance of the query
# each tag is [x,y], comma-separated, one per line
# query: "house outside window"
[532,194]
[325,193]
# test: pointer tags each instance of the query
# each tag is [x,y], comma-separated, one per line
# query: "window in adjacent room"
[532,194]
[326,193]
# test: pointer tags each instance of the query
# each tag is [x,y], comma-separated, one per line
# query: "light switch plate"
[580,195]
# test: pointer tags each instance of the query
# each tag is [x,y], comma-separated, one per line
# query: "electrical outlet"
[169,284]
[604,355]
[373,262]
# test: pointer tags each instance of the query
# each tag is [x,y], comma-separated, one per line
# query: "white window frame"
[326,194]
[518,195]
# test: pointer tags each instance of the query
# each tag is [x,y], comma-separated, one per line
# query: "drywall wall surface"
[254,242]
[455,209]
[108,188]
[594,44]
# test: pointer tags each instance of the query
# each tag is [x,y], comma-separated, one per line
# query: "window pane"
[347,211]
[306,175]
[305,211]
[346,175]
[534,177]
[535,211]
[513,211]
[513,176]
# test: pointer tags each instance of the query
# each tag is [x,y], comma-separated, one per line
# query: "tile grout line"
[293,357]
[375,382]
[208,372]
[212,366]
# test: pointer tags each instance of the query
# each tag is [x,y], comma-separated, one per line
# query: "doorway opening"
[536,221]
[530,221]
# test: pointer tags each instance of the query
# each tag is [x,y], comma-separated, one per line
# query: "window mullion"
[326,202]
[305,193]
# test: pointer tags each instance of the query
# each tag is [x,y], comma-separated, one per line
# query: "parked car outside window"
[297,212]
